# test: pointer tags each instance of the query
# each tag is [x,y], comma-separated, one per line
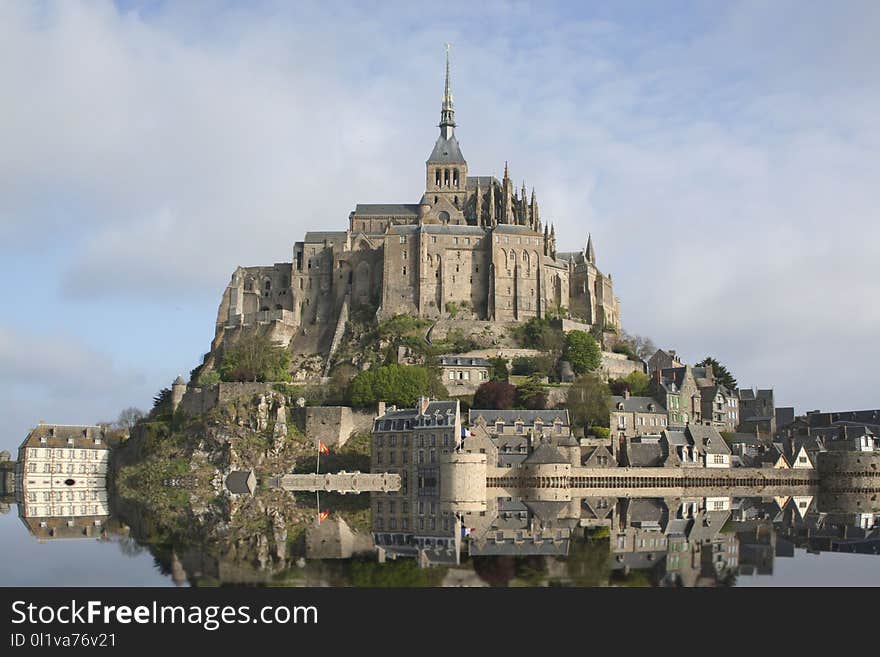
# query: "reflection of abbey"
[473,247]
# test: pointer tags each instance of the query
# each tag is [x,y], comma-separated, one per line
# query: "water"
[276,537]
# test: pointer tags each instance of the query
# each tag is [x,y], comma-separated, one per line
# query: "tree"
[255,358]
[722,374]
[589,401]
[129,417]
[641,345]
[161,404]
[582,351]
[499,369]
[496,395]
[401,385]
[539,333]
[208,378]
[531,394]
[638,383]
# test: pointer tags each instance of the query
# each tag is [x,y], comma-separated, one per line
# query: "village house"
[462,375]
[676,389]
[756,411]
[62,480]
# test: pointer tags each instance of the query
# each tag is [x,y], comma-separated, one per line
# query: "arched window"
[443,216]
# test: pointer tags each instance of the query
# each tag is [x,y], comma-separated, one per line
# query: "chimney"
[380,410]
[626,393]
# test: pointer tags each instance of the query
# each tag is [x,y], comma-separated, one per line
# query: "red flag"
[323,516]
[323,448]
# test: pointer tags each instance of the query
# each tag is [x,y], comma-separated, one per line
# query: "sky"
[723,156]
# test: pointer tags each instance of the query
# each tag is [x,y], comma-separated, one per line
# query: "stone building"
[676,388]
[62,481]
[720,407]
[413,442]
[473,247]
[756,411]
[635,416]
[663,359]
[462,375]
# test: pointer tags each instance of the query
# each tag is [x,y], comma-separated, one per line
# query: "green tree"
[531,394]
[499,369]
[255,358]
[721,373]
[161,405]
[589,401]
[638,383]
[208,378]
[396,384]
[582,351]
[540,333]
[496,395]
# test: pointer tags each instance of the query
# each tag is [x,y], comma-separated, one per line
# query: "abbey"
[473,247]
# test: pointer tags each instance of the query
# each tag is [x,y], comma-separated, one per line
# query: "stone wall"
[618,366]
[200,400]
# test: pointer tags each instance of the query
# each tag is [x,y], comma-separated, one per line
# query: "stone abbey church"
[473,247]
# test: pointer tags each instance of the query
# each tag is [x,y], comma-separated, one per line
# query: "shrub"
[452,309]
[255,358]
[208,378]
[396,384]
[601,432]
[497,395]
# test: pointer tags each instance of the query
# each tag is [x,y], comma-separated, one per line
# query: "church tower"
[446,179]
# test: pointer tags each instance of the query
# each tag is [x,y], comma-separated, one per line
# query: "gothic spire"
[447,111]
[491,201]
[590,252]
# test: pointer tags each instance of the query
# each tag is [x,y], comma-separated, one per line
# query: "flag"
[322,448]
[322,516]
[465,432]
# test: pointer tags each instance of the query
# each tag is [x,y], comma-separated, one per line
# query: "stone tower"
[446,168]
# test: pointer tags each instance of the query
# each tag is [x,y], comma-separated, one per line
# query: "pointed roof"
[446,149]
[545,454]
[590,251]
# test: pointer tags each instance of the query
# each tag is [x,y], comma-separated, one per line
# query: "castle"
[472,247]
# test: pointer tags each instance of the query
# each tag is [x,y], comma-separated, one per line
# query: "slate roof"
[446,151]
[638,404]
[644,455]
[510,417]
[708,439]
[241,482]
[464,361]
[386,210]
[526,547]
[545,511]
[324,235]
[544,455]
[58,435]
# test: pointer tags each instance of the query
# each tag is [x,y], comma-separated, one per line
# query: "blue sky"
[723,155]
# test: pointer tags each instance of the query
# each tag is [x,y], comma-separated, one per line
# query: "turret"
[478,205]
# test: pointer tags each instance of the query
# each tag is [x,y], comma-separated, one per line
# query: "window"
[499,427]
[403,239]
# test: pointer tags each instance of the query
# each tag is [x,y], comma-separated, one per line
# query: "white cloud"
[727,169]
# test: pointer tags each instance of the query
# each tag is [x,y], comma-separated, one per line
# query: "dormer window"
[499,426]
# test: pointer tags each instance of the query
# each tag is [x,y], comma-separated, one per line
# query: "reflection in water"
[453,519]
[273,536]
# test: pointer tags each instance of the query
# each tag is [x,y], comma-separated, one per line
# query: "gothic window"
[436,181]
[455,181]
